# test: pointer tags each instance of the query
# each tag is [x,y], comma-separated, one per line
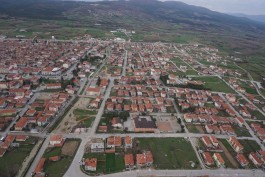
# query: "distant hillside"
[257,18]
[168,21]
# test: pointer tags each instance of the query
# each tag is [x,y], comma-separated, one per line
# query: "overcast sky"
[249,7]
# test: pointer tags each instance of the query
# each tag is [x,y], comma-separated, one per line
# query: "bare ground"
[69,148]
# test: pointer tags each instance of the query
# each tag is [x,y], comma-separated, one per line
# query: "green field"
[11,162]
[170,153]
[214,84]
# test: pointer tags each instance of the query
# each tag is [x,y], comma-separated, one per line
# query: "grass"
[58,168]
[88,122]
[241,131]
[215,84]
[191,72]
[228,164]
[192,128]
[249,146]
[107,163]
[12,160]
[83,112]
[257,114]
[170,153]
[51,152]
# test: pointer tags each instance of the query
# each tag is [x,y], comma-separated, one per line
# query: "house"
[188,117]
[40,165]
[97,145]
[235,144]
[90,164]
[128,142]
[242,160]
[42,120]
[8,112]
[129,161]
[31,112]
[21,138]
[255,159]
[227,129]
[240,121]
[93,91]
[144,159]
[214,141]
[206,141]
[208,158]
[21,123]
[56,140]
[54,86]
[218,160]
[116,123]
[3,103]
[114,141]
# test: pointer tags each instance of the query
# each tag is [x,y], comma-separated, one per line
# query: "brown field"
[69,148]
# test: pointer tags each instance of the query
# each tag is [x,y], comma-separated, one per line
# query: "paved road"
[125,63]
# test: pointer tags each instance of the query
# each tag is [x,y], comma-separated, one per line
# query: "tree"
[124,115]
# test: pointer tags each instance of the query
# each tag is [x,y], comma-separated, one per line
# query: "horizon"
[245,7]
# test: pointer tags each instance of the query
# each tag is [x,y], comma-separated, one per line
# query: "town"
[101,107]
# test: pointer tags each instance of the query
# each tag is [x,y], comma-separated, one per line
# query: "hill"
[152,20]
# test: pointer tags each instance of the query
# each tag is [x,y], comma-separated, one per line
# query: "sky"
[249,7]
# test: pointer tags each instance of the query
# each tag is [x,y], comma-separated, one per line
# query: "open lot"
[107,163]
[58,168]
[214,84]
[11,162]
[170,153]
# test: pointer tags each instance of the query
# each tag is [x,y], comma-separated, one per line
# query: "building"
[93,91]
[128,142]
[144,159]
[21,123]
[114,141]
[208,158]
[97,145]
[255,159]
[235,144]
[242,160]
[218,160]
[56,140]
[39,167]
[144,124]
[91,164]
[207,142]
[129,161]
